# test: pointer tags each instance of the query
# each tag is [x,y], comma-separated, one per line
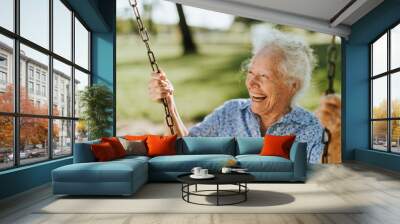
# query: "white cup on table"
[196,171]
[203,172]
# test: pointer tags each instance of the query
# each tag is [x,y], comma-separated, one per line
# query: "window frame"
[388,74]
[16,114]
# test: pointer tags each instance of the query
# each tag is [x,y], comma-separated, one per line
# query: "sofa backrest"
[83,152]
[249,145]
[206,145]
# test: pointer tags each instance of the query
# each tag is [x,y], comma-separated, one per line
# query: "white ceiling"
[316,15]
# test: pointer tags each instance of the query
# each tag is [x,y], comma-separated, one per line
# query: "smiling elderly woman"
[278,73]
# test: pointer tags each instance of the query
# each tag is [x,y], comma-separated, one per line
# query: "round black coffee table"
[238,179]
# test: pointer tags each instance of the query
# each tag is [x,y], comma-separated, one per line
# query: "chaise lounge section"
[125,176]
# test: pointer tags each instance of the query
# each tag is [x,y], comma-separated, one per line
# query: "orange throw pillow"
[136,137]
[277,145]
[103,152]
[161,145]
[116,145]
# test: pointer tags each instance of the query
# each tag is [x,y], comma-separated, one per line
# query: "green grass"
[202,82]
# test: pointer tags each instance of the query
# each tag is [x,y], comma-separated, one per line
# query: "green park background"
[202,81]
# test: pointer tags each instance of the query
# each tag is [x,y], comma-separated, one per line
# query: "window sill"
[30,166]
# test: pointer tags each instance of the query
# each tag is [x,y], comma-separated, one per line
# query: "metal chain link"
[144,35]
[332,56]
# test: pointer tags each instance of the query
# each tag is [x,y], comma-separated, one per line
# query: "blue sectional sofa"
[125,176]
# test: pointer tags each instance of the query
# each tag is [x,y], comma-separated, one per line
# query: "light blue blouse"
[235,119]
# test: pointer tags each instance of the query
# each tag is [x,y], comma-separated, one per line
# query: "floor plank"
[376,189]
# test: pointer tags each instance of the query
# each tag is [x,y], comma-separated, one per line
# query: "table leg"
[217,194]
[195,188]
[188,189]
[245,193]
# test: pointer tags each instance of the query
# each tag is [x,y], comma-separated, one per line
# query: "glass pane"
[395,94]
[81,81]
[62,89]
[81,131]
[34,97]
[379,55]
[33,139]
[62,29]
[6,74]
[6,142]
[395,47]
[62,138]
[395,136]
[379,135]
[35,21]
[81,45]
[7,14]
[379,97]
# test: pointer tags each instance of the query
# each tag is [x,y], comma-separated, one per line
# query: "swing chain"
[332,56]
[144,35]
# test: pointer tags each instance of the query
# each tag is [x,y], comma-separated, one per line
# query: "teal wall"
[99,16]
[355,86]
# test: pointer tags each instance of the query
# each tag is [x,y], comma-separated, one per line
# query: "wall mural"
[222,75]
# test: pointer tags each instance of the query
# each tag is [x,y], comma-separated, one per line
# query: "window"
[385,94]
[38,75]
[81,45]
[30,72]
[45,115]
[37,89]
[3,72]
[3,78]
[6,73]
[62,74]
[62,29]
[62,137]
[3,61]
[6,142]
[35,21]
[30,88]
[7,14]
[44,91]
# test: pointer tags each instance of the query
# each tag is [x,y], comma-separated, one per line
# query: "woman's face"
[269,90]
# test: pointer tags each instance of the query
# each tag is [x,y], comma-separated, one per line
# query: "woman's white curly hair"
[298,57]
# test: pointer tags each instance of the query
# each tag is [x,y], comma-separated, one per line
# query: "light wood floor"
[378,188]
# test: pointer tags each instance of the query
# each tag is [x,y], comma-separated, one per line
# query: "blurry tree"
[380,128]
[188,44]
[34,130]
[147,12]
[125,26]
[246,21]
[395,123]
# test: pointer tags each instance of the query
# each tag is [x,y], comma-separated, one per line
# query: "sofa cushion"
[160,145]
[277,145]
[111,171]
[206,145]
[134,147]
[257,163]
[249,145]
[103,152]
[116,145]
[185,163]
